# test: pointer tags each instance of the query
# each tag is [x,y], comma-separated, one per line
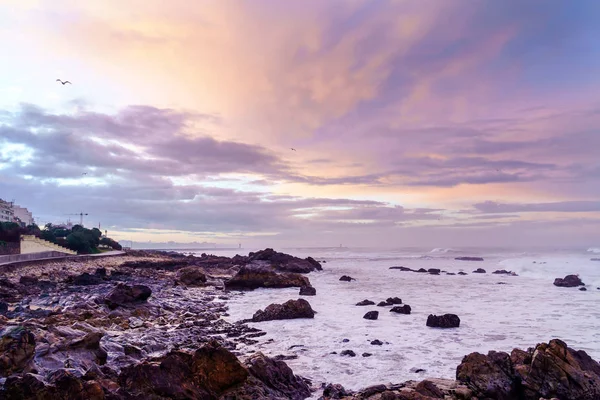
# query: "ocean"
[497,312]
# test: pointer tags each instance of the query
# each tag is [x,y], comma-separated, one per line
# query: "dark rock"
[428,388]
[365,303]
[422,270]
[308,291]
[434,271]
[568,281]
[168,265]
[383,304]
[192,276]
[462,273]
[17,348]
[450,273]
[286,262]
[367,354]
[63,385]
[371,315]
[402,268]
[405,309]
[28,280]
[443,321]
[335,392]
[504,272]
[251,277]
[583,289]
[348,353]
[86,279]
[372,390]
[479,271]
[345,340]
[377,342]
[123,295]
[291,309]
[594,259]
[346,278]
[469,258]
[394,300]
[3,308]
[100,271]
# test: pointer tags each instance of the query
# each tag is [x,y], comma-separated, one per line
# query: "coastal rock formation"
[62,384]
[291,309]
[17,347]
[434,271]
[394,300]
[123,295]
[308,291]
[192,276]
[462,273]
[251,277]
[568,281]
[365,303]
[405,309]
[422,270]
[402,268]
[443,321]
[285,262]
[371,315]
[469,258]
[551,370]
[348,353]
[479,271]
[346,278]
[87,279]
[504,272]
[383,304]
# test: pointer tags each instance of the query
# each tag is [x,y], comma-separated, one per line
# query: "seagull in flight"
[293,149]
[63,82]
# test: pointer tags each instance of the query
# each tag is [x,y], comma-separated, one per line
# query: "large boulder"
[568,281]
[17,348]
[308,291]
[550,370]
[372,315]
[192,276]
[365,302]
[123,295]
[346,278]
[285,262]
[251,277]
[443,321]
[404,309]
[479,271]
[291,309]
[63,384]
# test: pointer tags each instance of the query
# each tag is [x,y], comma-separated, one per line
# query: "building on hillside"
[23,214]
[6,211]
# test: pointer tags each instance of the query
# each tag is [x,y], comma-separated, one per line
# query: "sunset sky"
[416,122]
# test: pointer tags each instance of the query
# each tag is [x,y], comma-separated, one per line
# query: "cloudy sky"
[430,122]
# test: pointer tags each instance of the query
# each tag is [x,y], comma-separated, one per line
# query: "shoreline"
[177,316]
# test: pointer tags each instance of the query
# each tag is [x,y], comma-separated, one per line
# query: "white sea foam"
[595,250]
[443,250]
[526,310]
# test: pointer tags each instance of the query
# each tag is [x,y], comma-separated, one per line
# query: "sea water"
[497,312]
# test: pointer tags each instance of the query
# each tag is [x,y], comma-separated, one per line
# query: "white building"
[23,214]
[6,211]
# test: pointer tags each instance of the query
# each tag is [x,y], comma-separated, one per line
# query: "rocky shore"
[149,325]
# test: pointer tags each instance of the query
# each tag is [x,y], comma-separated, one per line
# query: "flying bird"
[63,82]
[293,149]
[85,173]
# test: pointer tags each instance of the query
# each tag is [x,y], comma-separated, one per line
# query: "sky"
[415,123]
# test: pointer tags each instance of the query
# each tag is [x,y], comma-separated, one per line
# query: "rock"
[504,272]
[450,273]
[346,278]
[286,262]
[462,273]
[308,291]
[335,392]
[377,342]
[402,268]
[568,281]
[63,385]
[349,353]
[192,276]
[383,304]
[17,348]
[434,271]
[365,303]
[291,309]
[405,309]
[479,271]
[372,390]
[345,340]
[594,259]
[28,280]
[123,295]
[583,289]
[428,388]
[3,308]
[367,354]
[422,270]
[394,300]
[167,265]
[86,279]
[550,370]
[469,258]
[371,315]
[443,321]
[251,277]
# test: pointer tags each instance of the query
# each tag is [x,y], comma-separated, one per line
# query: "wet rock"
[405,309]
[28,280]
[64,385]
[367,354]
[469,258]
[87,279]
[504,272]
[394,300]
[123,295]
[568,281]
[583,289]
[345,340]
[251,277]
[365,303]
[434,271]
[17,348]
[422,270]
[286,262]
[383,304]
[291,309]
[450,273]
[371,315]
[479,271]
[428,388]
[3,307]
[346,278]
[594,259]
[192,276]
[372,390]
[168,265]
[377,342]
[308,291]
[443,321]
[402,268]
[462,273]
[349,353]
[335,392]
